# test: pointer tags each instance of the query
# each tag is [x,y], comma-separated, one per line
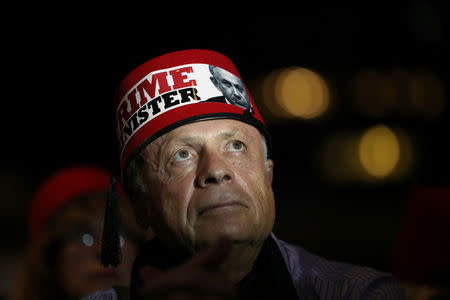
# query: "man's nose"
[236,93]
[213,170]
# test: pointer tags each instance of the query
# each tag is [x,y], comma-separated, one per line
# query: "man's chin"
[208,234]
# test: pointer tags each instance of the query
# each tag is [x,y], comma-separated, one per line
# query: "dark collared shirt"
[284,271]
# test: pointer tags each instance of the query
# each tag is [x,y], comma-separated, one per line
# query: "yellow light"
[426,94]
[374,94]
[379,151]
[301,93]
[268,96]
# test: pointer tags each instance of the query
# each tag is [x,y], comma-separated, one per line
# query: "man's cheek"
[178,175]
[175,198]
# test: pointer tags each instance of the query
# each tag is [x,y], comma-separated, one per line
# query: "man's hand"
[198,278]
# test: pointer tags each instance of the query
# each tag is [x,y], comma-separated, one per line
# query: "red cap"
[179,88]
[62,187]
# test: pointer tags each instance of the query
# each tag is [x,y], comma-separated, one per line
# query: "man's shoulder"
[326,277]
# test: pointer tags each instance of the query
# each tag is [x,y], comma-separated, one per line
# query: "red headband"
[62,187]
[175,89]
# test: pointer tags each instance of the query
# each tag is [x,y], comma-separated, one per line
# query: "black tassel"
[111,254]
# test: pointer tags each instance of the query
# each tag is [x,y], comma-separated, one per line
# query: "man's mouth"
[219,206]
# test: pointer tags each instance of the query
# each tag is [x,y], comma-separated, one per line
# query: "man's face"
[231,87]
[209,179]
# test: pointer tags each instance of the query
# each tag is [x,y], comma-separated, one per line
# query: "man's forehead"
[225,74]
[223,128]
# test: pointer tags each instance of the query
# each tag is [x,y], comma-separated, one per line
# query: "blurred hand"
[198,278]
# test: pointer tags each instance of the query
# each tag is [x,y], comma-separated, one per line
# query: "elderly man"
[231,86]
[199,174]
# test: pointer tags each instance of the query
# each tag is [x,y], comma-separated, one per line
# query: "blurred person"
[199,173]
[65,222]
[421,259]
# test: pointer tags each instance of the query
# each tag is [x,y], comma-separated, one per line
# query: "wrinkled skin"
[210,179]
[209,191]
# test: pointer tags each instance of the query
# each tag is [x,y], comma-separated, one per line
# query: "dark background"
[62,64]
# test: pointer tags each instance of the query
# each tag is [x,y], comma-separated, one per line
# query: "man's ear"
[269,170]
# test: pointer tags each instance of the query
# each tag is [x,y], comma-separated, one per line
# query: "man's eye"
[226,83]
[182,155]
[236,146]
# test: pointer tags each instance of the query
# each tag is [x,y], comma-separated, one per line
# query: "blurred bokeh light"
[301,92]
[293,93]
[372,155]
[373,94]
[379,151]
[378,94]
